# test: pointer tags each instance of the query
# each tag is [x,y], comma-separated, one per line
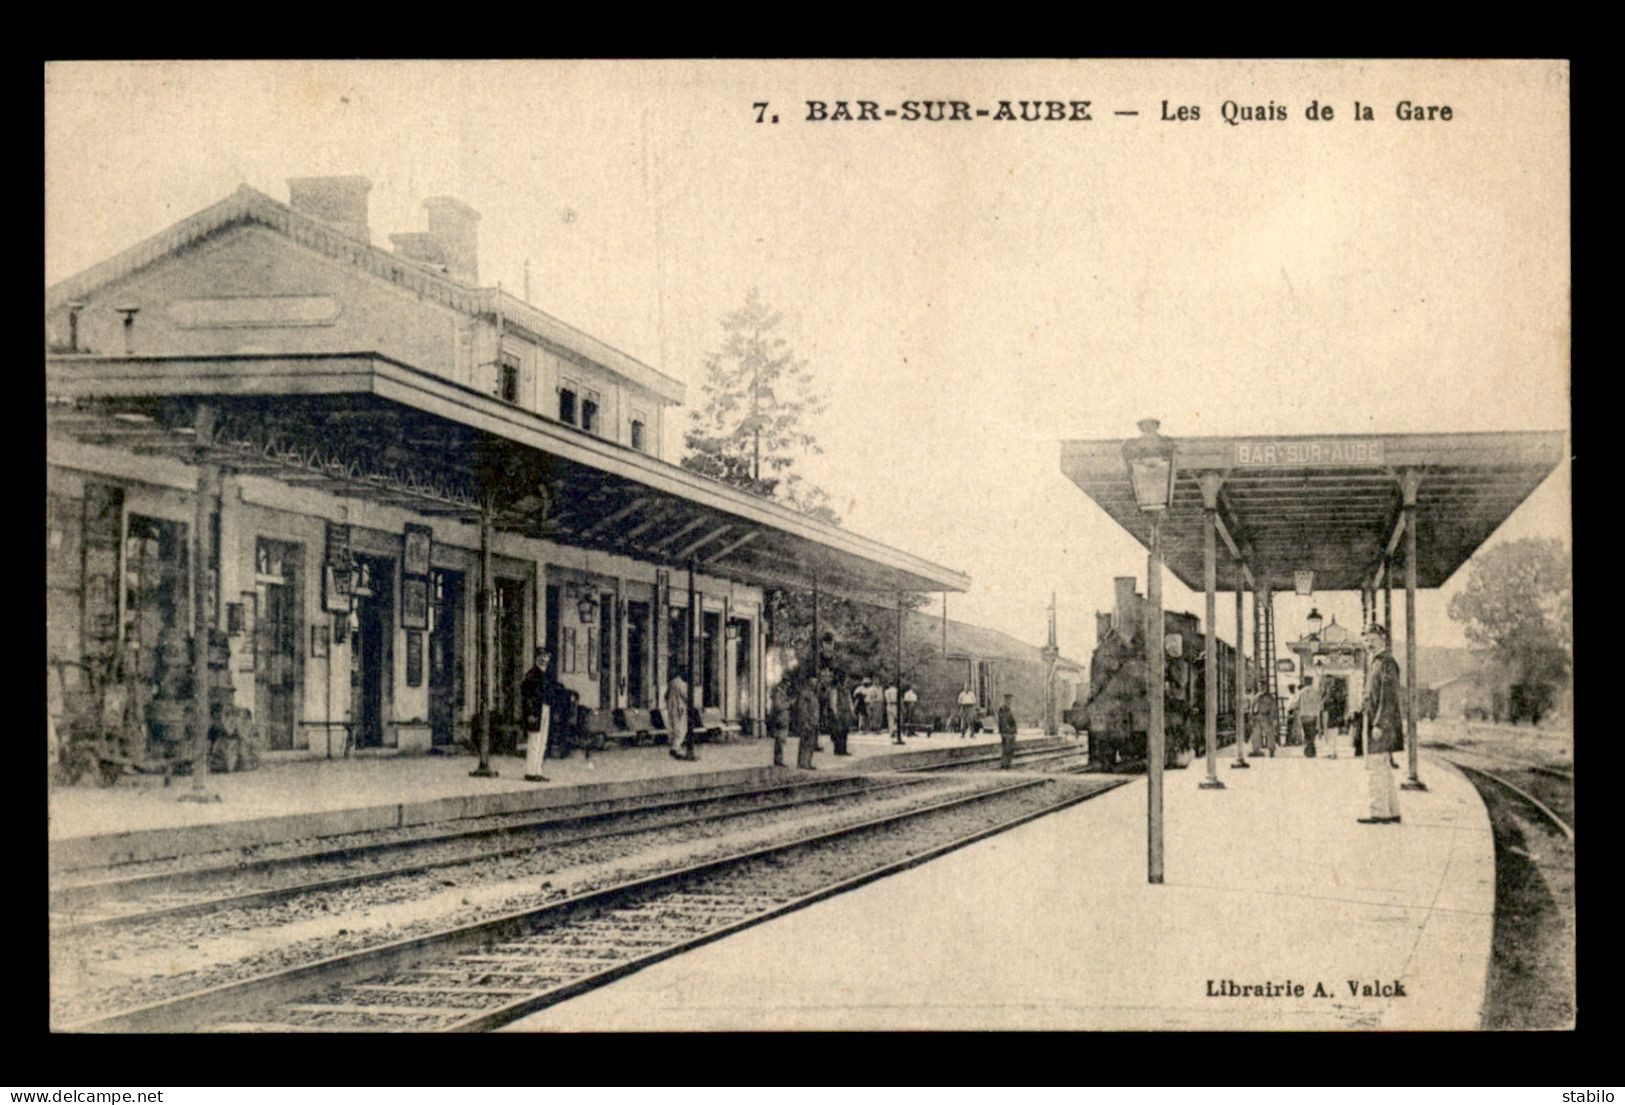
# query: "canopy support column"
[1211,482]
[487,643]
[897,707]
[1412,481]
[1241,666]
[208,491]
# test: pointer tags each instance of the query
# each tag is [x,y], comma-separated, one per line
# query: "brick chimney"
[454,225]
[1128,606]
[418,246]
[339,201]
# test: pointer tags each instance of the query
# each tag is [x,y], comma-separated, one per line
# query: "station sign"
[1299,453]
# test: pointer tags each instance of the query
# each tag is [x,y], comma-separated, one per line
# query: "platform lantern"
[1150,461]
[1315,622]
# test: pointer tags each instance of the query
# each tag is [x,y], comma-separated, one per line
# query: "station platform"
[1270,884]
[139,818]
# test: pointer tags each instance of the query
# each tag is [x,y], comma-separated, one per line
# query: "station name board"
[1331,452]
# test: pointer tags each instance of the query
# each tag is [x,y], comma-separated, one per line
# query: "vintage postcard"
[738,545]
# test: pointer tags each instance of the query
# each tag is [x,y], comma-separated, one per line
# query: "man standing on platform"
[1310,707]
[536,694]
[1007,734]
[910,700]
[804,723]
[1383,709]
[967,707]
[840,716]
[677,719]
[778,720]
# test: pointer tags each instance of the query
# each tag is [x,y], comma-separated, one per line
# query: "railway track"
[78,909]
[479,976]
[1532,959]
[1041,759]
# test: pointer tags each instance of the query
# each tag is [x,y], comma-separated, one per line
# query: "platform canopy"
[1331,505]
[366,426]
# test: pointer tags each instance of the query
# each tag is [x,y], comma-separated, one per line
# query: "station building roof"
[361,424]
[1329,504]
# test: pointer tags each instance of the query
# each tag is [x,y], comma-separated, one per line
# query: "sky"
[968,294]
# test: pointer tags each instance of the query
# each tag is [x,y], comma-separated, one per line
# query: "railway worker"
[681,745]
[910,702]
[1007,734]
[894,720]
[1382,707]
[804,723]
[535,696]
[967,708]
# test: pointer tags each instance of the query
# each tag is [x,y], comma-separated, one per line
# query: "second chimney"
[339,201]
[454,225]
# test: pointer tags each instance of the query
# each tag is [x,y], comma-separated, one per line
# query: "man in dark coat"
[538,698]
[840,716]
[1007,734]
[1382,707]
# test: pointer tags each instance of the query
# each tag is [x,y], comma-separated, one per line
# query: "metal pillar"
[1241,668]
[1210,626]
[1412,691]
[694,637]
[487,643]
[208,479]
[1388,597]
[897,708]
[1154,738]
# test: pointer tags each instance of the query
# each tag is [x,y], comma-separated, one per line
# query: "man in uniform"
[1382,708]
[1007,734]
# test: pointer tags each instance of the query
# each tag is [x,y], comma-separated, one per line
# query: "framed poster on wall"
[414,604]
[419,543]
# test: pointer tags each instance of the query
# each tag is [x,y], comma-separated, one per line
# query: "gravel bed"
[439,852]
[86,982]
[591,939]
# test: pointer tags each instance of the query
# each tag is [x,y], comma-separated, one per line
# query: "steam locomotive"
[1116,710]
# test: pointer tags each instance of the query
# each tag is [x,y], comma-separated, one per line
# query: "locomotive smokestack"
[1127,607]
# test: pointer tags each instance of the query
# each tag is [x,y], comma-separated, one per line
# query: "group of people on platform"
[1380,710]
[551,716]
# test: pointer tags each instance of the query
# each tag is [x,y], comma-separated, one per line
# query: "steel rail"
[488,1019]
[186,1012]
[274,894]
[1549,813]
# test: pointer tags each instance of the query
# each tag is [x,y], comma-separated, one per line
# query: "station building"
[368,441]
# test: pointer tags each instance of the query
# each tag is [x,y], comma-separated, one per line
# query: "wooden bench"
[601,726]
[714,727]
[646,725]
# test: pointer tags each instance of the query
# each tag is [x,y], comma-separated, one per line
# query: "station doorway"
[279,629]
[371,649]
[638,655]
[744,649]
[510,644]
[447,672]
